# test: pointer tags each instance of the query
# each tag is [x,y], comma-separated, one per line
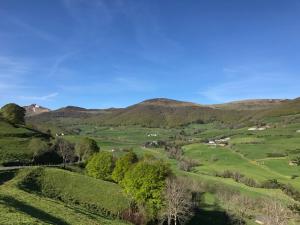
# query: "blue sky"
[103,53]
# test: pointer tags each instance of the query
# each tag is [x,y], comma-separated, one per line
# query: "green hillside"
[14,141]
[24,206]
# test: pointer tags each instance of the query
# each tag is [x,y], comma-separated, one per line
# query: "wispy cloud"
[40,98]
[12,65]
[59,61]
[29,28]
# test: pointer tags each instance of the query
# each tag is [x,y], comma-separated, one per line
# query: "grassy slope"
[14,142]
[21,207]
[83,190]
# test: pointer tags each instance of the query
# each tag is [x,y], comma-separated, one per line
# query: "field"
[14,142]
[19,206]
[259,155]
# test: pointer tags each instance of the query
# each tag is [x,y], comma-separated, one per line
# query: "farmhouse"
[154,144]
[211,143]
[252,128]
[298,131]
[219,142]
[258,128]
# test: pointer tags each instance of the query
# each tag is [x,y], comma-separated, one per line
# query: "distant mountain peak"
[35,109]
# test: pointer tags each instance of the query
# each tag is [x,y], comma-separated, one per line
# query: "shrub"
[123,164]
[101,166]
[145,183]
[238,177]
[174,152]
[276,154]
[271,184]
[296,160]
[187,164]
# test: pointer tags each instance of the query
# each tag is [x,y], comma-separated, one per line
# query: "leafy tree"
[13,113]
[101,166]
[145,182]
[123,164]
[85,148]
[38,147]
[65,149]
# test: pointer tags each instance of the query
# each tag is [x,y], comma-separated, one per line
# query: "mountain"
[35,109]
[162,112]
[65,112]
[251,104]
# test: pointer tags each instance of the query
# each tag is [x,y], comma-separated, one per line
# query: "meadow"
[24,206]
[259,155]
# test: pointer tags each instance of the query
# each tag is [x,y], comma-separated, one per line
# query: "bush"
[123,164]
[296,160]
[187,164]
[101,166]
[145,182]
[238,177]
[271,184]
[276,154]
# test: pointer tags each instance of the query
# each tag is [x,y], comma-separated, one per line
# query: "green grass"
[14,142]
[77,189]
[21,207]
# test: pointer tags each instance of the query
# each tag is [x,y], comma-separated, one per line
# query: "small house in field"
[262,128]
[292,163]
[298,131]
[211,143]
[258,128]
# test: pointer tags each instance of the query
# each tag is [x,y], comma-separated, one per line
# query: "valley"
[216,150]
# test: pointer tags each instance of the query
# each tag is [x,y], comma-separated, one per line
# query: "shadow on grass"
[6,176]
[214,217]
[31,211]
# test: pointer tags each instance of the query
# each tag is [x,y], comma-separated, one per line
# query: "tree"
[101,166]
[85,148]
[276,213]
[38,147]
[13,113]
[123,164]
[243,206]
[145,182]
[65,149]
[186,164]
[177,201]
